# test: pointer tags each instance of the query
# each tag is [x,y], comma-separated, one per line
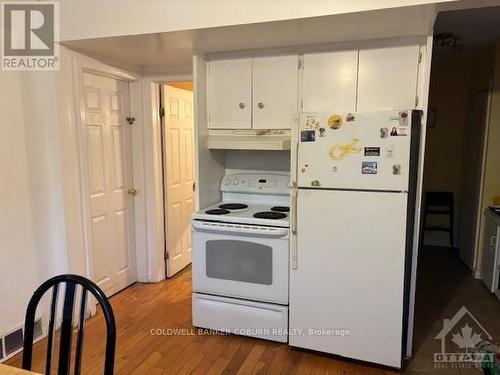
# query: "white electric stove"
[241,258]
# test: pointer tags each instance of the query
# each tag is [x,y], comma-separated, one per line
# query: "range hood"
[249,139]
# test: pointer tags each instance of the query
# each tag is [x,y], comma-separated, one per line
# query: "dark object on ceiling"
[446,40]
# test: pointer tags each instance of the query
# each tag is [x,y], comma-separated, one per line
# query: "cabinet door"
[275,81]
[329,81]
[230,94]
[387,78]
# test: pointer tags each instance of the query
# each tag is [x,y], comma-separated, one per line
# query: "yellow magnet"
[315,183]
[335,121]
[338,152]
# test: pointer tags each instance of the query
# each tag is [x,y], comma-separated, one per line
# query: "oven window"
[239,261]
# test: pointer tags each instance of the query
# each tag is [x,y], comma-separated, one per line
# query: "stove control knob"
[235,181]
[227,181]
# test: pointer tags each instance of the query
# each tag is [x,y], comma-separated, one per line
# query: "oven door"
[242,261]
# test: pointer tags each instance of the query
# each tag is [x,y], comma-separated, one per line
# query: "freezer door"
[359,151]
[346,287]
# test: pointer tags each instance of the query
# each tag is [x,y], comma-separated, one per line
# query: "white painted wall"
[40,205]
[81,19]
[18,253]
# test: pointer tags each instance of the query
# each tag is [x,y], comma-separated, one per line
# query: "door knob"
[241,105]
[132,192]
[260,105]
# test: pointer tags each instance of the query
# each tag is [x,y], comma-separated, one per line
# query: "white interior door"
[468,224]
[275,88]
[109,166]
[230,94]
[179,176]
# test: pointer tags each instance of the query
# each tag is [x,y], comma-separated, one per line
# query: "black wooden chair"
[439,203]
[66,330]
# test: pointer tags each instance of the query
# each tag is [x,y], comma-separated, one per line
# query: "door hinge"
[300,63]
[161,112]
[166,255]
[130,120]
[194,186]
[420,57]
[416,101]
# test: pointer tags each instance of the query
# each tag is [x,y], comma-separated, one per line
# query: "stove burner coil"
[269,215]
[280,209]
[233,206]
[217,211]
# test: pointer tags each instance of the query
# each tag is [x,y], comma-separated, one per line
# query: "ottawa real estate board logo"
[30,35]
[465,343]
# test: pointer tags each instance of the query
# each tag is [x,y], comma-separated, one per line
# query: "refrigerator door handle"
[293,228]
[294,150]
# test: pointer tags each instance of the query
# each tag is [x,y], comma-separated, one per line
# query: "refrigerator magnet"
[384,132]
[322,132]
[350,117]
[338,152]
[369,167]
[335,121]
[307,136]
[312,123]
[390,151]
[403,118]
[315,183]
[396,169]
[372,151]
[395,131]
[334,169]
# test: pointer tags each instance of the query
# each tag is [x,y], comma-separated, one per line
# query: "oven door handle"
[239,229]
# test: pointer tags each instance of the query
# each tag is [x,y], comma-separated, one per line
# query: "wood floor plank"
[166,306]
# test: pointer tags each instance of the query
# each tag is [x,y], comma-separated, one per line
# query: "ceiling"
[472,26]
[171,53]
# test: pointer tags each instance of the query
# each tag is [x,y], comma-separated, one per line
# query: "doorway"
[179,186]
[107,154]
[463,68]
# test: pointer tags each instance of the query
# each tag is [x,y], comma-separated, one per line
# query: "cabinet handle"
[260,105]
[241,105]
[493,240]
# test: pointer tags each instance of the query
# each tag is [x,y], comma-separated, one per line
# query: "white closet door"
[275,81]
[387,78]
[230,94]
[179,175]
[329,81]
[109,170]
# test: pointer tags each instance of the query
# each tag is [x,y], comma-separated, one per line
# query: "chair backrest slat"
[50,334]
[64,365]
[66,330]
[81,327]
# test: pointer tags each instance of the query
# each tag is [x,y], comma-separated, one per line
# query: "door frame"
[153,163]
[480,217]
[81,65]
[163,127]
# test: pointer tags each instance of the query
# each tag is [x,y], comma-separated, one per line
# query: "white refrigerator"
[352,232]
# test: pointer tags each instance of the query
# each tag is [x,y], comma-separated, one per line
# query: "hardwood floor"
[166,306]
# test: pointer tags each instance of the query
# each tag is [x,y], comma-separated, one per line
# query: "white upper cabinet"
[387,77]
[253,93]
[275,82]
[230,94]
[329,81]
